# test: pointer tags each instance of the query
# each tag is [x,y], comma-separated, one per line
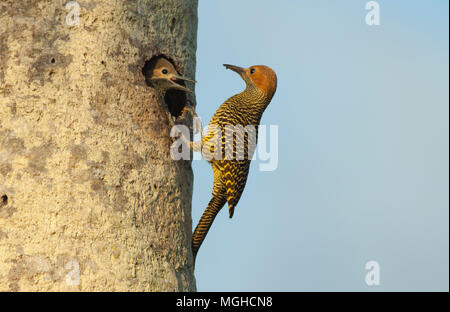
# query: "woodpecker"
[163,76]
[230,175]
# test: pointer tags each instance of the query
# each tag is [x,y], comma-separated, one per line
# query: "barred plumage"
[231,162]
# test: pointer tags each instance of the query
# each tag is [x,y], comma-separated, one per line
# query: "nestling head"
[163,76]
[260,76]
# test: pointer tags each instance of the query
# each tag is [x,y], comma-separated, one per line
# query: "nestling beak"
[175,83]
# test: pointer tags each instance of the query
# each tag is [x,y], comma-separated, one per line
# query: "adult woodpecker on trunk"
[238,112]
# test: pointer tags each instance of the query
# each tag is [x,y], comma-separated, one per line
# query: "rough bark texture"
[90,198]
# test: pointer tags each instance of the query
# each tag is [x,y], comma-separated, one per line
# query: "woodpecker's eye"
[165,71]
[252,71]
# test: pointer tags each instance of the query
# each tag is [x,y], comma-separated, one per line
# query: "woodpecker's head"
[163,76]
[262,77]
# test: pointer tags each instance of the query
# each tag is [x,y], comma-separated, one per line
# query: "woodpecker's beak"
[175,80]
[237,69]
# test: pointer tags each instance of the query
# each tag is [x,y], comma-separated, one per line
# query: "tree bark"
[90,198]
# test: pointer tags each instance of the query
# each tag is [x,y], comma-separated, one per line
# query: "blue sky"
[363,150]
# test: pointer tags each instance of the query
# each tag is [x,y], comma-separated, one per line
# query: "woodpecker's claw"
[196,122]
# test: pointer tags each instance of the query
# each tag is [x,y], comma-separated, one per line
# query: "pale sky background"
[363,168]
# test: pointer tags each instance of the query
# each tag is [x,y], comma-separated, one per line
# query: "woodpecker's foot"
[188,112]
[189,117]
[194,119]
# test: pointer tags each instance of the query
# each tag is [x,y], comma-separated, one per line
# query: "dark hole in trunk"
[3,200]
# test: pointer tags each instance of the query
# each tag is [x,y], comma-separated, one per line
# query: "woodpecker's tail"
[215,204]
